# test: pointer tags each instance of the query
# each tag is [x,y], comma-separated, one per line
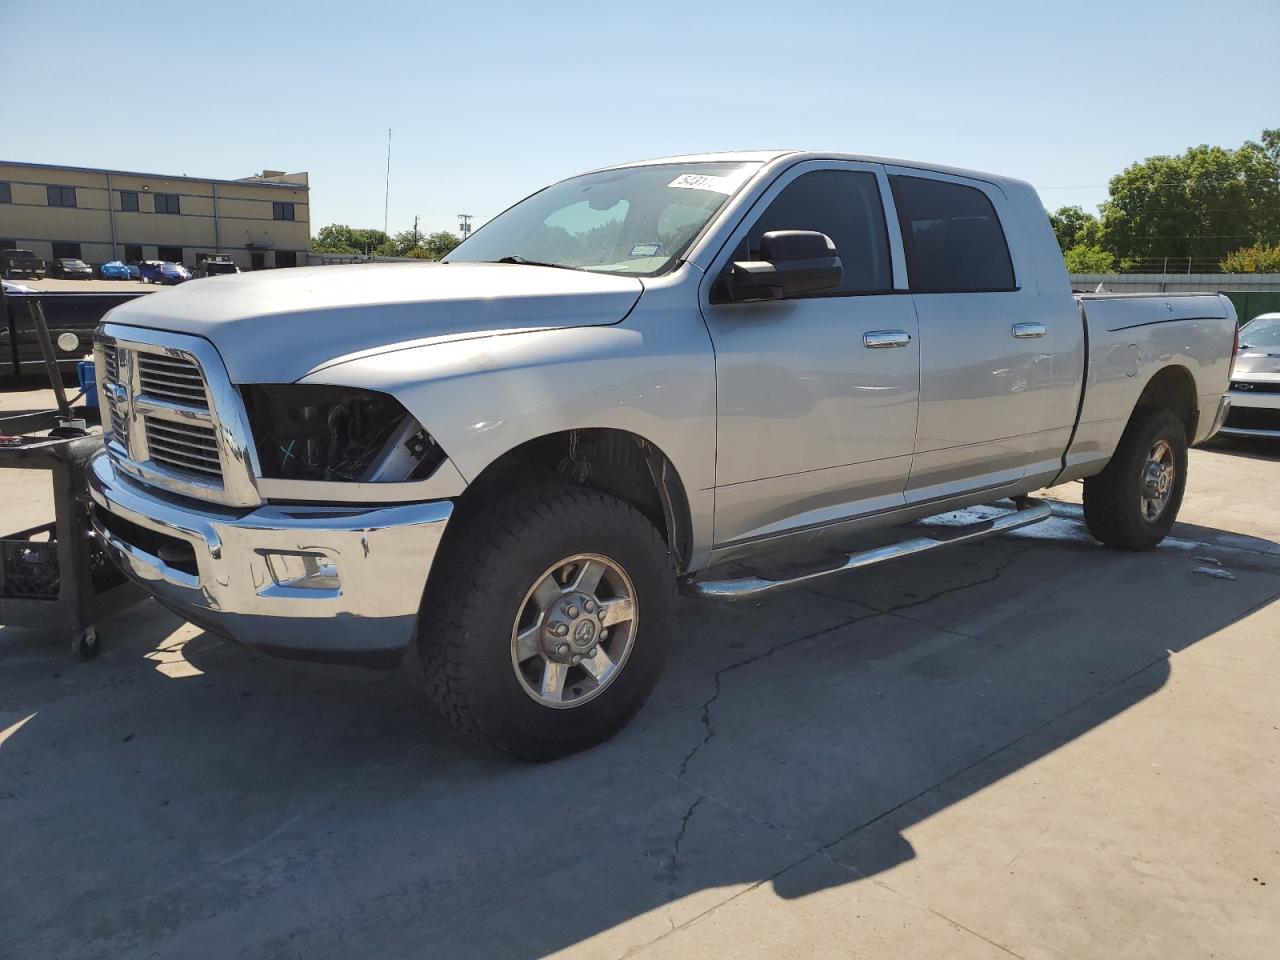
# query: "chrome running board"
[1029,511]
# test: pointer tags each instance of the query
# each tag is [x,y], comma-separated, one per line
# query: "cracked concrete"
[1028,747]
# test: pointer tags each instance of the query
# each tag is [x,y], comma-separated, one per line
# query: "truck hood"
[277,326]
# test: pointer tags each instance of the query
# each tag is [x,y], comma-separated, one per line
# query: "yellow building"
[100,215]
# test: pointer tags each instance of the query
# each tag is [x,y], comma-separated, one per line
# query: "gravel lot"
[1029,746]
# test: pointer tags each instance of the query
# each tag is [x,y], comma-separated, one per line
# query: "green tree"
[1202,203]
[438,245]
[340,238]
[1073,226]
[1258,258]
[1083,258]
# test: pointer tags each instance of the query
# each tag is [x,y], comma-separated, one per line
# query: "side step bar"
[1029,510]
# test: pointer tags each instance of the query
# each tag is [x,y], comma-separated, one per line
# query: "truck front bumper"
[330,584]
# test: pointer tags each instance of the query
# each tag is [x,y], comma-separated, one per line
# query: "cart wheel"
[85,643]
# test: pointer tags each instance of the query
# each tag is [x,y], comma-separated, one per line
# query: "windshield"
[634,220]
[1262,332]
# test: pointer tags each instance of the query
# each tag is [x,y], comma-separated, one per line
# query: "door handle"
[880,339]
[1028,331]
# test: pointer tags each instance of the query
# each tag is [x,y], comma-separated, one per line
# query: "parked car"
[1255,380]
[113,270]
[21,263]
[70,268]
[135,271]
[153,271]
[517,455]
[215,268]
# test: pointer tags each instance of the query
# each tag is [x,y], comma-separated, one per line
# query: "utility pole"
[464,225]
[386,197]
[416,241]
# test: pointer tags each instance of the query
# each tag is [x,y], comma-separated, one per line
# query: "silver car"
[1255,380]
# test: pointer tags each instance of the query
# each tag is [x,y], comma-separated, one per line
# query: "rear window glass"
[952,237]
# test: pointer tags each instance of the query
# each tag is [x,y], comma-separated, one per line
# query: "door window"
[846,207]
[952,237]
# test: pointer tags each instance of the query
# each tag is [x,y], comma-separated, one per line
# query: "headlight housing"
[345,434]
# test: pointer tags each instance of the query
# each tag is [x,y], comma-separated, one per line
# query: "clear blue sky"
[489,101]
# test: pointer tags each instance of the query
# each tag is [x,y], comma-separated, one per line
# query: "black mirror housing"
[792,263]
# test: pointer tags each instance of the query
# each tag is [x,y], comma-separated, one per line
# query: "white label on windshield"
[699,181]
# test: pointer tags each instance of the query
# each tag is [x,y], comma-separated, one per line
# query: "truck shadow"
[183,796]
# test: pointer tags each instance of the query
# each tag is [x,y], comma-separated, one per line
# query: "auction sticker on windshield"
[700,181]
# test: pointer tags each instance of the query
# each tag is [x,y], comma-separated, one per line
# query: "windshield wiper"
[514,258]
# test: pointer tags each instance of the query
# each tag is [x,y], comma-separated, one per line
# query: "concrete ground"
[1031,746]
[90,286]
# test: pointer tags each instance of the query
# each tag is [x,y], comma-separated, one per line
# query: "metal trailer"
[55,576]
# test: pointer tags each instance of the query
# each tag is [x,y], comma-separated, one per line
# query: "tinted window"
[952,236]
[66,251]
[132,252]
[129,201]
[6,195]
[173,254]
[282,211]
[167,203]
[846,207]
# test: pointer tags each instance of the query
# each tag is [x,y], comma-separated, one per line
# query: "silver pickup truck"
[644,378]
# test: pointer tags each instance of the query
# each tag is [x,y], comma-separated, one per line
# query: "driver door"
[817,395]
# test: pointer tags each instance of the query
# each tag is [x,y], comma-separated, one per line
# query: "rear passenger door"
[985,375]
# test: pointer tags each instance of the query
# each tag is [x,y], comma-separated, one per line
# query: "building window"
[62,196]
[133,253]
[6,196]
[169,254]
[282,211]
[286,258]
[69,251]
[167,203]
[129,201]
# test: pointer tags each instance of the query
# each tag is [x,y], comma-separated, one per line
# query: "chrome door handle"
[1027,331]
[880,339]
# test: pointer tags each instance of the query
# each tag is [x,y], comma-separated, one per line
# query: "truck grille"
[184,446]
[172,418]
[175,379]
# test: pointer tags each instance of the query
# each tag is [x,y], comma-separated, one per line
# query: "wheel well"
[1174,389]
[613,461]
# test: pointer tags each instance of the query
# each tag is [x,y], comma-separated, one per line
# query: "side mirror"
[792,263]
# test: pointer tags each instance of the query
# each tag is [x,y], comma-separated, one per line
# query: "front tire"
[547,621]
[1133,503]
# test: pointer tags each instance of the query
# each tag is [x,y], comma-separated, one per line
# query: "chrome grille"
[184,446]
[175,379]
[173,418]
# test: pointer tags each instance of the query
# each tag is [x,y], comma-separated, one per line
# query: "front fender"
[481,398]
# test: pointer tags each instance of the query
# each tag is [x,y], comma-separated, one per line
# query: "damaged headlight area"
[321,432]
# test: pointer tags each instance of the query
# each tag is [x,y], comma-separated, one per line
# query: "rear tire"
[1133,503]
[511,602]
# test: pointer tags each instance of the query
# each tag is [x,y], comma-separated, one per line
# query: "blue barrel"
[88,382]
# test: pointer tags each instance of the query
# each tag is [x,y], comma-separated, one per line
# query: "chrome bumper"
[320,583]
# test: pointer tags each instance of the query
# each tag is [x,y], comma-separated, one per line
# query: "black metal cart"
[55,576]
